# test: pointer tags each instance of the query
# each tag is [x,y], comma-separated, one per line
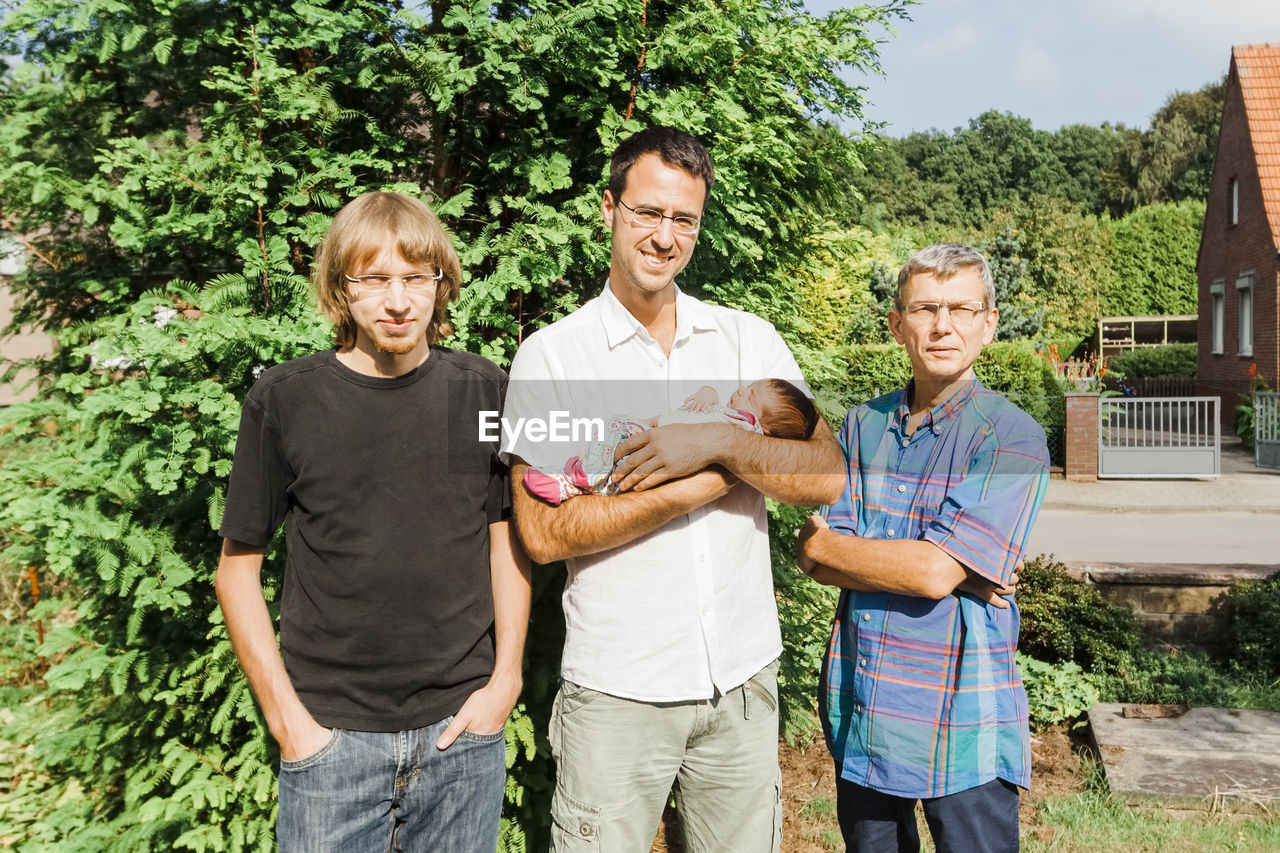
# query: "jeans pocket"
[482,737]
[306,761]
[574,824]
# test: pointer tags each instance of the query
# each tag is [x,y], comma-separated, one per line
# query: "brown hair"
[789,414]
[360,231]
[674,147]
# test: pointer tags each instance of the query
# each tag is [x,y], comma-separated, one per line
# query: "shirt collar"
[939,413]
[619,325]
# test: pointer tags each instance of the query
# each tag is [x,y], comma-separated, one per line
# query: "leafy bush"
[1163,360]
[1157,675]
[143,734]
[1067,621]
[1253,620]
[805,612]
[1154,260]
[1017,369]
[1056,693]
[1244,422]
[1019,372]
[874,369]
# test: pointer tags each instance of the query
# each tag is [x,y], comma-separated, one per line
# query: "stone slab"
[1207,758]
[1170,574]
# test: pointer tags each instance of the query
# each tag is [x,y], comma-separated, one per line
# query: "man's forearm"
[239,588]
[589,524]
[512,591]
[912,567]
[793,472]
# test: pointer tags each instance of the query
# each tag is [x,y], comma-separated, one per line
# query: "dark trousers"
[980,820]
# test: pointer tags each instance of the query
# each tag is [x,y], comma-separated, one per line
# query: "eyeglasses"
[647,217]
[928,312]
[417,283]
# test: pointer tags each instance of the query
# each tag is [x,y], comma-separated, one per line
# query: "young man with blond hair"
[405,595]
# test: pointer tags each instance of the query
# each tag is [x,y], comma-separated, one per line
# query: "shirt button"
[905,442]
[890,534]
[585,829]
[702,558]
[866,617]
[862,661]
[901,488]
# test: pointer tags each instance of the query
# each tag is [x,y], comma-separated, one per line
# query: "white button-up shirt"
[688,610]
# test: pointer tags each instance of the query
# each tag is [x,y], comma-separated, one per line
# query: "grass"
[818,807]
[1095,822]
[1195,678]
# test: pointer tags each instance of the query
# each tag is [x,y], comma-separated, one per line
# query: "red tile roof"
[1258,68]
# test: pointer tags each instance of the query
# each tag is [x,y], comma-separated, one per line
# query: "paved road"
[1076,536]
[1234,518]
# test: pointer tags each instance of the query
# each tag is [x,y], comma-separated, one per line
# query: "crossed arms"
[912,567]
[670,471]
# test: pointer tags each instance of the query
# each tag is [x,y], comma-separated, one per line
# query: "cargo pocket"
[575,825]
[761,692]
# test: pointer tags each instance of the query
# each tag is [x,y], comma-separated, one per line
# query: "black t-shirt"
[386,492]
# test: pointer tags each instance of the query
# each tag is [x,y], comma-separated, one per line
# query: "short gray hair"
[942,261]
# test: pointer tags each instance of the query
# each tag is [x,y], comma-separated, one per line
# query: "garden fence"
[1266,426]
[1161,386]
[1159,437]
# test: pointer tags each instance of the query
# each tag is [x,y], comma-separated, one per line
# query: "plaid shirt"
[923,698]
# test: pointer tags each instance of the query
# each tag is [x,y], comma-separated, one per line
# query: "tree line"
[168,166]
[1078,223]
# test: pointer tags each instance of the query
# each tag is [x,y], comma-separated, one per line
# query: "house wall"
[1226,251]
[17,347]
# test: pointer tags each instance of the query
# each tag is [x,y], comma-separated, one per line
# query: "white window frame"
[1218,316]
[1233,191]
[1244,303]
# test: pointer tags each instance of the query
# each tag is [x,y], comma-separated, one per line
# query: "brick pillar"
[1081,462]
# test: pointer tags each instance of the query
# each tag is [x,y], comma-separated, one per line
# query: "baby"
[771,407]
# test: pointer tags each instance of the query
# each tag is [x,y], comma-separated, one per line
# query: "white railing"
[1266,429]
[1153,437]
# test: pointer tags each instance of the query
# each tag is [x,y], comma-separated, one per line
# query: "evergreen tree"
[169,166]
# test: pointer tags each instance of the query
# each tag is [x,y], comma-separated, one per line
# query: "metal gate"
[1266,429]
[1153,437]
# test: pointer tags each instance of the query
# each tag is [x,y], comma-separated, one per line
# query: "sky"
[1056,62]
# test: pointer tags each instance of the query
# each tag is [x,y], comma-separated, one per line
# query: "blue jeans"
[980,820]
[394,791]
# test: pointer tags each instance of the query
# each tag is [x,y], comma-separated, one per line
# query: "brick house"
[1237,267]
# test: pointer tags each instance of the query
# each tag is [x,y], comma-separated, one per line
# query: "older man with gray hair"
[921,698]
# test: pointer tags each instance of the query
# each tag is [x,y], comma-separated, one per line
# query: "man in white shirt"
[670,660]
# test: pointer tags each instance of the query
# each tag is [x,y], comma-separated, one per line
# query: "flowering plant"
[1246,410]
[1076,374]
